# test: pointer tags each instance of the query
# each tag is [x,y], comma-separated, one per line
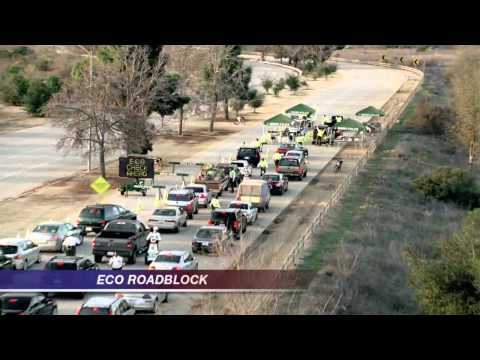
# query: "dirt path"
[14,118]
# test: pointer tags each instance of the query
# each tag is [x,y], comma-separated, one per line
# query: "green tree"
[13,86]
[293,83]
[447,281]
[36,97]
[256,100]
[267,84]
[279,86]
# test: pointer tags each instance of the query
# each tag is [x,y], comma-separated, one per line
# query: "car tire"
[98,258]
[305,174]
[55,311]
[146,261]
[176,230]
[300,178]
[267,205]
[190,216]
[155,307]
[132,259]
[144,193]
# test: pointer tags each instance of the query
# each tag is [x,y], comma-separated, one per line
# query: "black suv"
[27,304]
[62,262]
[93,218]
[233,219]
[251,154]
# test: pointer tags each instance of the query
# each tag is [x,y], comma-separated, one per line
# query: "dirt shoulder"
[63,198]
[14,118]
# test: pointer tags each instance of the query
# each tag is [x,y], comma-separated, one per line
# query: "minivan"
[256,192]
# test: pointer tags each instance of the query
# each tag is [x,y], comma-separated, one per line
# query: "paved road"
[28,158]
[357,87]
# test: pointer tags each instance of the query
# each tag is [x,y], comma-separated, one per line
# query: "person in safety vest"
[232,177]
[276,158]
[215,204]
[263,165]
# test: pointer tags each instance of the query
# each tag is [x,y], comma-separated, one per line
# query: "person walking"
[263,165]
[116,262]
[232,175]
[315,135]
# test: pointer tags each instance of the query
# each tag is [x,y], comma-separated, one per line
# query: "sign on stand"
[136,167]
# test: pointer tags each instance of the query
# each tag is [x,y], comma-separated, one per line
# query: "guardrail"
[307,236]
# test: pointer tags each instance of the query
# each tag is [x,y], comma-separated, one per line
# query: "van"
[256,192]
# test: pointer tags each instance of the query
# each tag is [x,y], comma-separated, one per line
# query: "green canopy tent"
[301,110]
[370,111]
[351,125]
[277,124]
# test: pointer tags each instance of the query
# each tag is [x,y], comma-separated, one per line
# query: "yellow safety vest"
[215,203]
[277,156]
[263,164]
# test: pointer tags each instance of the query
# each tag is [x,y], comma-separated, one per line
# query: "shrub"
[54,84]
[309,67]
[257,101]
[279,86]
[13,86]
[44,65]
[429,119]
[39,93]
[267,84]
[5,54]
[21,51]
[449,185]
[293,83]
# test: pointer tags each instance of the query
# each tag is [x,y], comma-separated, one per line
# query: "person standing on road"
[116,262]
[276,158]
[263,165]
[232,178]
[315,134]
[70,245]
[154,236]
[215,203]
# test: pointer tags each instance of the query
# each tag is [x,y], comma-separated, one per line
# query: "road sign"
[100,185]
[136,167]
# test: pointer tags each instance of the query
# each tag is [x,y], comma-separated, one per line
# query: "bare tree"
[114,103]
[465,82]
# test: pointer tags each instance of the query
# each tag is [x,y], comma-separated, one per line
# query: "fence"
[306,238]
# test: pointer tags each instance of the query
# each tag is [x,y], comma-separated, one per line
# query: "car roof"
[213,227]
[100,301]
[272,173]
[11,241]
[239,202]
[167,208]
[52,223]
[126,221]
[228,210]
[65,258]
[31,294]
[295,152]
[253,182]
[173,252]
[181,191]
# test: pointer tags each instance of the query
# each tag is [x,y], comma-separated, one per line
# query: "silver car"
[24,253]
[142,301]
[201,192]
[50,236]
[212,239]
[169,218]
[106,305]
[248,210]
[174,260]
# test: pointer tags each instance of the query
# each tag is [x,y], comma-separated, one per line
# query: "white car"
[201,192]
[106,305]
[244,167]
[169,218]
[248,210]
[24,253]
[141,301]
[295,154]
[174,260]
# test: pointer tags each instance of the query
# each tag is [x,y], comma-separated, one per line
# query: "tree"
[256,100]
[465,81]
[13,86]
[267,84]
[238,105]
[293,83]
[39,93]
[115,104]
[279,86]
[263,49]
[448,281]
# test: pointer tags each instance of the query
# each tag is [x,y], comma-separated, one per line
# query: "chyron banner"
[136,167]
[155,280]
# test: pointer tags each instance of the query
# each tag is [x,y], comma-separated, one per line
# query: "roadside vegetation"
[389,245]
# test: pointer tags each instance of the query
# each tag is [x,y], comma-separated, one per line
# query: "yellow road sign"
[100,185]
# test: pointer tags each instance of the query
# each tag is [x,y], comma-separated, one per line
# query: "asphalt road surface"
[357,86]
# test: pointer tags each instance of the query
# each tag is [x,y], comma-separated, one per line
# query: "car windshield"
[9,249]
[239,164]
[208,233]
[196,190]
[165,212]
[168,258]
[288,162]
[250,190]
[121,227]
[294,154]
[93,311]
[272,177]
[178,197]
[92,212]
[220,216]
[247,152]
[49,229]
[238,206]
[16,303]
[60,265]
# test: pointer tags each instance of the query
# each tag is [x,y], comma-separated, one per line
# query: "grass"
[378,216]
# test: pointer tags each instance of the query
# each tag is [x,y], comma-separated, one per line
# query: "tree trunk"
[101,154]
[180,123]
[162,120]
[213,114]
[225,108]
[470,156]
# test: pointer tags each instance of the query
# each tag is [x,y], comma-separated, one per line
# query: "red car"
[284,148]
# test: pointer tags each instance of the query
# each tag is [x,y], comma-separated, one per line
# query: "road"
[357,86]
[29,158]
